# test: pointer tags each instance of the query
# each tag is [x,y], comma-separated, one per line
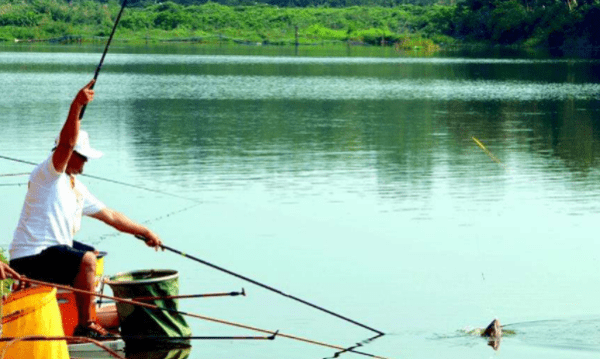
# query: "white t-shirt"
[52,211]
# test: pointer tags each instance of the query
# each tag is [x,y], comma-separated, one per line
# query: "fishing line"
[177,211]
[111,181]
[14,174]
[171,214]
[142,188]
[18,160]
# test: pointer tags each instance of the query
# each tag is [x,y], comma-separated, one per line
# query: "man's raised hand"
[86,94]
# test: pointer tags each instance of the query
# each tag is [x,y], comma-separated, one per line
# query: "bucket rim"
[24,293]
[169,274]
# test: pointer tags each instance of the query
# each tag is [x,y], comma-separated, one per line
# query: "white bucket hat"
[83,146]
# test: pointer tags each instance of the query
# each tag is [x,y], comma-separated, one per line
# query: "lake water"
[350,178]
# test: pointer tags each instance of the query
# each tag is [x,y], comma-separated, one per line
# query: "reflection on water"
[210,87]
[354,182]
[161,354]
[313,78]
[569,333]
[357,347]
[180,353]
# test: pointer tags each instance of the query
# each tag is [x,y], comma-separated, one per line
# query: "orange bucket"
[32,312]
[68,304]
[69,312]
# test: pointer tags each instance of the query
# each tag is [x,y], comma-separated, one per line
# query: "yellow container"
[32,312]
[99,268]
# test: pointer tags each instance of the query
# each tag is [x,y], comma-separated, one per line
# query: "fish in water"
[493,331]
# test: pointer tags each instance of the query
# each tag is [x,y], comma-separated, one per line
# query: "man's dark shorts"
[57,264]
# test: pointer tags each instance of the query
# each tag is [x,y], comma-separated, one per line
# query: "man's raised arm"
[70,130]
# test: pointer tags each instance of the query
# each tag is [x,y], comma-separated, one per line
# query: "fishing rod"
[198,316]
[165,338]
[264,286]
[357,345]
[105,52]
[35,338]
[97,72]
[189,296]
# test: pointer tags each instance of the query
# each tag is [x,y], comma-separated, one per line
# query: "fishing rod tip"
[274,335]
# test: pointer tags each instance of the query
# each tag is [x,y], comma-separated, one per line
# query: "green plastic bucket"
[143,327]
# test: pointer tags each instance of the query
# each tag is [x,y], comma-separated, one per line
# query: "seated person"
[42,246]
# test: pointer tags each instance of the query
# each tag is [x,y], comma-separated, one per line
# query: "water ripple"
[211,87]
[174,59]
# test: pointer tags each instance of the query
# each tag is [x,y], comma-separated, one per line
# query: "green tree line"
[38,19]
[551,23]
[304,3]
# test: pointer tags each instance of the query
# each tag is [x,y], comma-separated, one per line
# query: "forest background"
[401,23]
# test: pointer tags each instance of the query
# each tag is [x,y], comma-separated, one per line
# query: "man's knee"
[88,262]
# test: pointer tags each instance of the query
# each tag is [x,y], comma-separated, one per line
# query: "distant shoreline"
[557,28]
[479,50]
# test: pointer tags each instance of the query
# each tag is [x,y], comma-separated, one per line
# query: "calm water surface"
[350,180]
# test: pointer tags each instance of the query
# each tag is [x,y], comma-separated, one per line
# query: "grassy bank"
[405,26]
[545,23]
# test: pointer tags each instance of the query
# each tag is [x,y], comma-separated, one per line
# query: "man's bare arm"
[70,130]
[122,223]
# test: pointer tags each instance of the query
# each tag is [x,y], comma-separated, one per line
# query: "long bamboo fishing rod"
[264,286]
[112,33]
[105,51]
[198,316]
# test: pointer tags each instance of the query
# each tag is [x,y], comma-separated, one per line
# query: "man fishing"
[42,247]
